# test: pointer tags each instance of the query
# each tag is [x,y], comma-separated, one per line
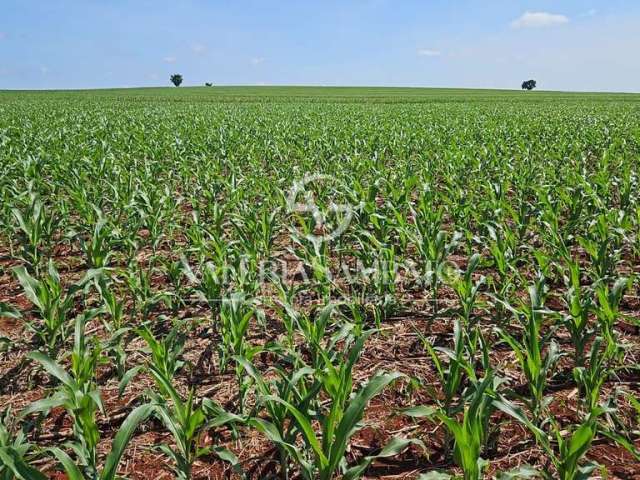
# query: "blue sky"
[587,45]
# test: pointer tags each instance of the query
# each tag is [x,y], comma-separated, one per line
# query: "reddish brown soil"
[396,348]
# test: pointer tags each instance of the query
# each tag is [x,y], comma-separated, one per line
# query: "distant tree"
[176,79]
[208,84]
[529,85]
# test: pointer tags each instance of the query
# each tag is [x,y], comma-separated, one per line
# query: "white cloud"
[169,59]
[198,48]
[257,60]
[539,20]
[427,52]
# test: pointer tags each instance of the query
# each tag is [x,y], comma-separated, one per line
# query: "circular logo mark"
[302,200]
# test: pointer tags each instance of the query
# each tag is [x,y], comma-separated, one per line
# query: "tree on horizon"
[176,79]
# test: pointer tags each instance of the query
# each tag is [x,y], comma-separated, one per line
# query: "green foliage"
[567,454]
[536,361]
[54,302]
[15,451]
[472,431]
[466,288]
[79,396]
[187,422]
[176,79]
[161,220]
[36,227]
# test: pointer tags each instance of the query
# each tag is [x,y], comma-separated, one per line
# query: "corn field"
[310,284]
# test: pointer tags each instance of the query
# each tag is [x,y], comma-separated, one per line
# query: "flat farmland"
[319,283]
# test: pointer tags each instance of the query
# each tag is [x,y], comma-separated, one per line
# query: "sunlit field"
[319,283]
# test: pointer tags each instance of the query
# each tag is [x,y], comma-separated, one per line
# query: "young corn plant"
[384,280]
[536,362]
[145,297]
[35,229]
[53,301]
[284,306]
[187,423]
[451,372]
[313,252]
[603,246]
[323,457]
[111,305]
[122,438]
[360,277]
[296,387]
[200,236]
[579,306]
[182,417]
[466,288]
[165,354]
[376,279]
[566,451]
[243,272]
[175,272]
[113,320]
[155,208]
[78,394]
[433,245]
[16,453]
[591,377]
[401,224]
[210,287]
[256,230]
[471,432]
[503,246]
[317,328]
[608,310]
[236,314]
[98,248]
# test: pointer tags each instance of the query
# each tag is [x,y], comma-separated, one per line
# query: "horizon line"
[309,86]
